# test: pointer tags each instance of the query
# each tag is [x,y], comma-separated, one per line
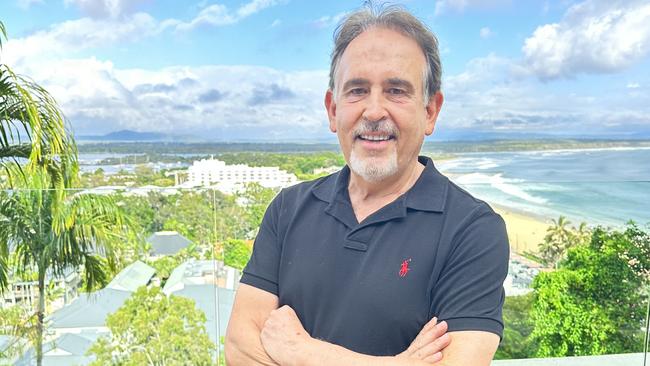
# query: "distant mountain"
[135,136]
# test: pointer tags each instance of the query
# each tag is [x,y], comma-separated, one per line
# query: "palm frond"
[15,151]
[3,33]
[29,113]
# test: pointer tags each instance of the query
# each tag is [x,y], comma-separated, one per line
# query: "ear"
[433,109]
[330,106]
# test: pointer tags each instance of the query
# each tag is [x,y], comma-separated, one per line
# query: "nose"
[375,108]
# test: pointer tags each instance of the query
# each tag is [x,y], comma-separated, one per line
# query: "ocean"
[598,186]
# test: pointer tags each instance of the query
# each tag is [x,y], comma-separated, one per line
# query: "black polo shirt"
[371,286]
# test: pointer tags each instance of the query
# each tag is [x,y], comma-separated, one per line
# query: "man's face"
[378,112]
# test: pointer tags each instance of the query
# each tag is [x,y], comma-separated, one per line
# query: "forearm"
[243,347]
[320,353]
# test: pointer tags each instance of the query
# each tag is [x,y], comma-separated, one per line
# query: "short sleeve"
[469,294]
[262,269]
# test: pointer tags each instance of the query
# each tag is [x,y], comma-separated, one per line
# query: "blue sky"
[257,69]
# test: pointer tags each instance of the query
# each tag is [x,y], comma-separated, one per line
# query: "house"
[164,243]
[208,283]
[26,292]
[68,349]
[89,312]
[202,272]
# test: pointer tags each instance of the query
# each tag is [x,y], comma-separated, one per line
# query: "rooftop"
[133,276]
[167,242]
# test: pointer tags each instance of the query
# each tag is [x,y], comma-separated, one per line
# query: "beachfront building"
[521,273]
[231,178]
[25,293]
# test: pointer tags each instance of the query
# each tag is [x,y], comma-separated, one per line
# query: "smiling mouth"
[376,137]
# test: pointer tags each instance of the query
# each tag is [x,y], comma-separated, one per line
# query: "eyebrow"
[400,83]
[355,82]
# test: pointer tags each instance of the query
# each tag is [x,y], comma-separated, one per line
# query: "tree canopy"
[594,303]
[154,329]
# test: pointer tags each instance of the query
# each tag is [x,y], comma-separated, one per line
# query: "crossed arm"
[260,333]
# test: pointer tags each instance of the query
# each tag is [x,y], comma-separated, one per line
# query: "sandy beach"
[524,231]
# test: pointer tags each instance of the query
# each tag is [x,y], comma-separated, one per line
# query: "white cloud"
[75,35]
[486,32]
[111,22]
[633,85]
[237,102]
[216,15]
[252,102]
[459,6]
[495,94]
[106,8]
[220,15]
[595,36]
[276,23]
[327,21]
[254,7]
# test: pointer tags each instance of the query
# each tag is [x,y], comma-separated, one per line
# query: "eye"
[396,91]
[357,91]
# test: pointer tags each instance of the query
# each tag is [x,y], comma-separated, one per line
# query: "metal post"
[647,332]
[216,275]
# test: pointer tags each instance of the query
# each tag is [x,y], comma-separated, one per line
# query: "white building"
[230,178]
[25,293]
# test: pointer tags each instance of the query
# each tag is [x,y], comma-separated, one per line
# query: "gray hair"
[395,18]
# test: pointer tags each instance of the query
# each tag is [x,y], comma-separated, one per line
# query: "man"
[358,267]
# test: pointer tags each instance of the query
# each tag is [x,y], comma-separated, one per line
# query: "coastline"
[525,231]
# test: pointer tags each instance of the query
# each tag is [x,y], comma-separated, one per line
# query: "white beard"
[372,170]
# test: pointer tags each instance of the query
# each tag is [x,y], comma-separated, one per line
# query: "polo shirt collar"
[429,192]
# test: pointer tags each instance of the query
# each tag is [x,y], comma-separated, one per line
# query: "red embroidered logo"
[404,268]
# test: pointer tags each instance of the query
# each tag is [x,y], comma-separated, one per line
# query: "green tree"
[257,198]
[593,304]
[19,322]
[31,125]
[559,238]
[518,327]
[153,329]
[52,230]
[236,253]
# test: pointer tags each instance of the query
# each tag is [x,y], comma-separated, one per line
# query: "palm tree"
[32,125]
[52,230]
[557,240]
[48,228]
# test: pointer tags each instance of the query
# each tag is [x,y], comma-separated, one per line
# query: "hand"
[283,336]
[429,343]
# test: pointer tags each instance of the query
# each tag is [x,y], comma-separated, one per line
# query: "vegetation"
[518,327]
[48,229]
[559,238]
[154,329]
[20,323]
[51,231]
[32,126]
[445,147]
[594,303]
[237,253]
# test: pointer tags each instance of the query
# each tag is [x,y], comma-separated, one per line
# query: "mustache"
[384,126]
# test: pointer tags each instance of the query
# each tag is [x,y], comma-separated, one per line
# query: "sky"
[257,69]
